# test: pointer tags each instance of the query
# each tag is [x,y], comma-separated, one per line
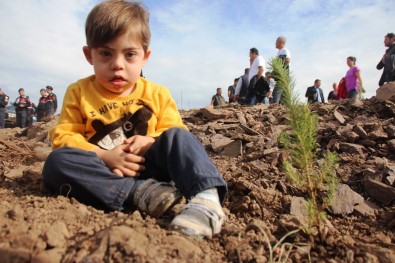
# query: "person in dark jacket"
[52,101]
[22,104]
[242,87]
[387,61]
[41,109]
[314,93]
[3,102]
[217,99]
[333,94]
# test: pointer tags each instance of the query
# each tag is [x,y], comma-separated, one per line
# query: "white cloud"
[197,45]
[41,45]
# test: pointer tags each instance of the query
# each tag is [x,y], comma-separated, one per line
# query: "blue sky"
[198,46]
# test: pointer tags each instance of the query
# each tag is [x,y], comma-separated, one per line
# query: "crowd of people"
[26,110]
[257,86]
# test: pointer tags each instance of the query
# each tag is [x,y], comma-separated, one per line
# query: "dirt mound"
[261,206]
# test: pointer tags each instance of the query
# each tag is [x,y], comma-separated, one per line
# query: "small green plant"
[319,182]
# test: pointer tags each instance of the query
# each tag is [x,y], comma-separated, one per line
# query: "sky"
[198,45]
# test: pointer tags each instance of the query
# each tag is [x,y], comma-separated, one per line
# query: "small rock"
[57,234]
[299,207]
[218,142]
[366,208]
[352,148]
[339,117]
[233,149]
[380,192]
[344,200]
[360,131]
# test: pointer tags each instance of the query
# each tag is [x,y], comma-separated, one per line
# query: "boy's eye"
[104,53]
[129,54]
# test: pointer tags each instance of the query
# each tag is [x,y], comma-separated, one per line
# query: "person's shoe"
[155,198]
[200,217]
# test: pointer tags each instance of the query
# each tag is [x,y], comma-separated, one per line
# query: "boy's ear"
[146,56]
[88,55]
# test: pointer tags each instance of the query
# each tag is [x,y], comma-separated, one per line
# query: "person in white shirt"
[257,69]
[284,54]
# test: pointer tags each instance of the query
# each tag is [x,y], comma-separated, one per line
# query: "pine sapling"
[301,168]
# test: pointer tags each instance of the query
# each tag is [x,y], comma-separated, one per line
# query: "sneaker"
[200,218]
[155,198]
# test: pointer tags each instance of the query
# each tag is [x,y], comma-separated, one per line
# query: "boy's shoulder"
[152,88]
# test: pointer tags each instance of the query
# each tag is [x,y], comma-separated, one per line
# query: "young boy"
[120,141]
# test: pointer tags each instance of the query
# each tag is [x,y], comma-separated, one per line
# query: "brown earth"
[37,226]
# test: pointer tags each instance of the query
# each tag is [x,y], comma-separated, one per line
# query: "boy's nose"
[117,63]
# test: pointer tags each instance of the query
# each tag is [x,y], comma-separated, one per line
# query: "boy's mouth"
[118,81]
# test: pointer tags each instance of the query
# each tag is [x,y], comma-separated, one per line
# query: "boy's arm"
[168,115]
[70,129]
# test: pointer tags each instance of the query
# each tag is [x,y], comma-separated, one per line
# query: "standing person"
[217,99]
[232,90]
[333,94]
[22,104]
[52,101]
[42,106]
[285,55]
[120,140]
[353,79]
[242,87]
[31,112]
[272,83]
[255,74]
[314,93]
[387,61]
[3,102]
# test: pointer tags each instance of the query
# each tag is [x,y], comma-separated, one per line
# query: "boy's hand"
[139,144]
[121,161]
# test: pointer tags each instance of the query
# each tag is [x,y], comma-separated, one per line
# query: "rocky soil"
[262,206]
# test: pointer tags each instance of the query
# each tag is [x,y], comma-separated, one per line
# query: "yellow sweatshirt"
[91,116]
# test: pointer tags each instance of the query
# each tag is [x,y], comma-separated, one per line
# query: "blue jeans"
[276,96]
[352,94]
[175,156]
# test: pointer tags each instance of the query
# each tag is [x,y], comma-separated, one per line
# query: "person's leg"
[352,94]
[276,96]
[177,155]
[81,174]
[50,111]
[2,118]
[18,118]
[23,118]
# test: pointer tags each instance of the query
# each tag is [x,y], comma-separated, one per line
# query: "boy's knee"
[176,131]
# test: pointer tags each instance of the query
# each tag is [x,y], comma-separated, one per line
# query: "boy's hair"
[111,19]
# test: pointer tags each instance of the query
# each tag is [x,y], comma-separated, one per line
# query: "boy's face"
[118,63]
